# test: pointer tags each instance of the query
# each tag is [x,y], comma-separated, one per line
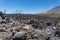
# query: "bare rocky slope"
[29,28]
[55,10]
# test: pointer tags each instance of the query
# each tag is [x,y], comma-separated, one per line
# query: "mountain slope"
[55,10]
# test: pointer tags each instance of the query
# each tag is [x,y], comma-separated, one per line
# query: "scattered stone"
[30,29]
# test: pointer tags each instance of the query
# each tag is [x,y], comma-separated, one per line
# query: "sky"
[28,6]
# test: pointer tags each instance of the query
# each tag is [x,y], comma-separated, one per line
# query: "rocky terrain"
[35,28]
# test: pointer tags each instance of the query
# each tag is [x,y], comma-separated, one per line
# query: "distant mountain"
[55,10]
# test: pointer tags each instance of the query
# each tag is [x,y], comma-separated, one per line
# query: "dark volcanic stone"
[57,33]
[36,26]
[13,34]
[48,23]
[2,30]
[32,22]
[19,38]
[47,38]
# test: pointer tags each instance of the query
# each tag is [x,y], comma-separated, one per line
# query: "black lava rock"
[57,33]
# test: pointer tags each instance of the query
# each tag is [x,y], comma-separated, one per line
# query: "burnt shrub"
[2,15]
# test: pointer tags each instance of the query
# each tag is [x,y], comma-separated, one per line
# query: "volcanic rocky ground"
[29,29]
